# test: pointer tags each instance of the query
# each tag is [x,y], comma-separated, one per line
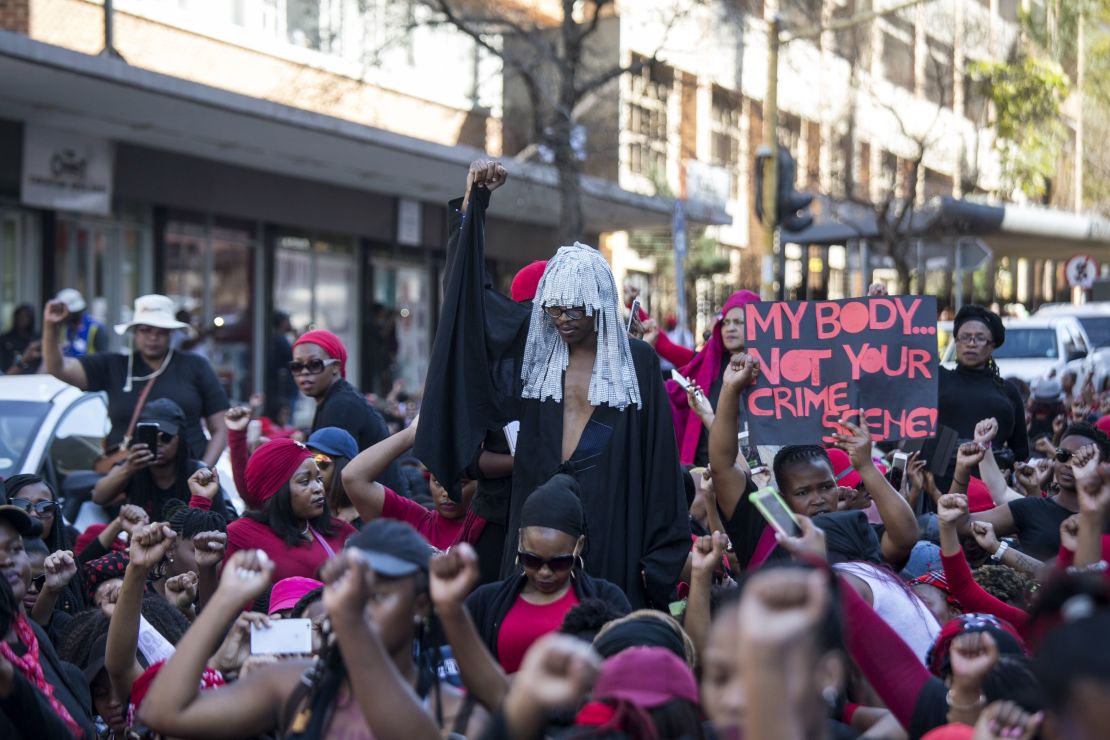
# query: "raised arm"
[454,575]
[149,545]
[1001,493]
[65,369]
[236,420]
[728,478]
[252,705]
[901,531]
[391,708]
[361,473]
[707,553]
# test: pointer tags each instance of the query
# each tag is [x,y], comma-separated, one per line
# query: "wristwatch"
[997,557]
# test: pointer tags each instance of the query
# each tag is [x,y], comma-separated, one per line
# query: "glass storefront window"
[402,326]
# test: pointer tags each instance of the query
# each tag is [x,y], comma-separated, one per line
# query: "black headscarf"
[555,505]
[989,318]
[640,632]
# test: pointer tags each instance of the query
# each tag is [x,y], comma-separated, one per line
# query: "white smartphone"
[632,313]
[283,636]
[681,379]
[512,429]
[768,502]
[898,470]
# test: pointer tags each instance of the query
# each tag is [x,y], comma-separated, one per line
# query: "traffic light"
[790,205]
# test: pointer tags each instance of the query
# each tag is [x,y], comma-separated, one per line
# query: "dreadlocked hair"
[320,684]
[793,454]
[306,601]
[188,523]
[1092,433]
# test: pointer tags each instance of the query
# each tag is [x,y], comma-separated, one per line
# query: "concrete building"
[258,155]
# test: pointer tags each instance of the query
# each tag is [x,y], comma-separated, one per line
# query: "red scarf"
[703,370]
[28,664]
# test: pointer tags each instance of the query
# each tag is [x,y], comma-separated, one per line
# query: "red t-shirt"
[303,560]
[525,623]
[438,530]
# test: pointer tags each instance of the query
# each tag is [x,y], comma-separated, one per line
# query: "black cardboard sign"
[821,360]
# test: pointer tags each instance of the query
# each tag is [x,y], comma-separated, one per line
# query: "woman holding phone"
[514,613]
[157,467]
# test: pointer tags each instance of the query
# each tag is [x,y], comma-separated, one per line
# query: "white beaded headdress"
[579,276]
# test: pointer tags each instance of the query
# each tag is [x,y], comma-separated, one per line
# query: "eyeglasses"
[38,582]
[312,367]
[558,564]
[322,461]
[42,508]
[973,340]
[1063,456]
[571,313]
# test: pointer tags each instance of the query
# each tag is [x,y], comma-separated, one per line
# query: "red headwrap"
[703,370]
[270,467]
[328,342]
[527,281]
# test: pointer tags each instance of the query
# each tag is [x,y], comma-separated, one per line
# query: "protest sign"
[821,360]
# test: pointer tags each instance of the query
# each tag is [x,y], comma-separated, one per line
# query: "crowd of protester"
[599,571]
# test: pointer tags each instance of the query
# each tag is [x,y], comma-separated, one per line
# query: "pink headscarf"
[703,370]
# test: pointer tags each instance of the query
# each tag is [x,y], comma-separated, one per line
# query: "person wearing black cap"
[24,645]
[550,581]
[371,682]
[150,477]
[974,390]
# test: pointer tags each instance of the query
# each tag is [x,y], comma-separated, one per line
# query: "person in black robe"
[626,461]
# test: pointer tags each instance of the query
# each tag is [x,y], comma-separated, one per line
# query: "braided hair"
[320,684]
[188,523]
[793,454]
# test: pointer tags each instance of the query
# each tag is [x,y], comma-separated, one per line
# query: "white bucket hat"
[152,310]
[73,299]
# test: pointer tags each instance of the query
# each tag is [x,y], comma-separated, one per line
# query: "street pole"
[770,163]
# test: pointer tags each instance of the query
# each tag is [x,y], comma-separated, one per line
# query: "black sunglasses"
[38,582]
[312,367]
[42,508]
[559,564]
[1063,456]
[571,313]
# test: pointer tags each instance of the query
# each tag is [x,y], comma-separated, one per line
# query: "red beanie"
[270,467]
[527,281]
[328,342]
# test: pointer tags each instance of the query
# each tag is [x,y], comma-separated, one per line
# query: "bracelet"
[1002,548]
[1099,567]
[965,707]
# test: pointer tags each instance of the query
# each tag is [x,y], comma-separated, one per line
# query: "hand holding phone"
[282,637]
[898,470]
[633,313]
[770,504]
[146,433]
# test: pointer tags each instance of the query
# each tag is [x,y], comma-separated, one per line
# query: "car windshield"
[19,422]
[1028,343]
[1098,329]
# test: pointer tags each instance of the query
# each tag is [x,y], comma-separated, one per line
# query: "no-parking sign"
[1081,271]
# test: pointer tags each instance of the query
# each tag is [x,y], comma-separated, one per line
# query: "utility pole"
[1080,75]
[775,39]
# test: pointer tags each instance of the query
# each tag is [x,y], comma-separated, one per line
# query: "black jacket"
[344,407]
[26,712]
[489,604]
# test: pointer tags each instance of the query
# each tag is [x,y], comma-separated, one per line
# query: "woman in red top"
[293,525]
[514,613]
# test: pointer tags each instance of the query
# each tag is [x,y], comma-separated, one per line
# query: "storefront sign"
[822,360]
[66,171]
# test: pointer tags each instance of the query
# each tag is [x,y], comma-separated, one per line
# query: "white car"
[52,429]
[1038,347]
[1094,319]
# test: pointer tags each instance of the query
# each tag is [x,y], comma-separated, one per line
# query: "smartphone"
[681,379]
[776,512]
[898,470]
[146,433]
[512,431]
[633,313]
[282,637]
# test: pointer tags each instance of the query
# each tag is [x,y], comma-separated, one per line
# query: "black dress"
[965,397]
[626,463]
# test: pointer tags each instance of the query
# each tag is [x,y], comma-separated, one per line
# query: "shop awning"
[99,96]
[1009,230]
